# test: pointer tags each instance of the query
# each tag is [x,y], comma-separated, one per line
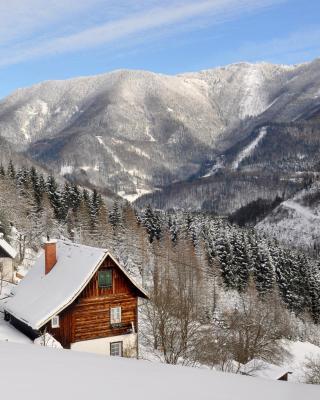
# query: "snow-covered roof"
[262,369]
[7,248]
[38,297]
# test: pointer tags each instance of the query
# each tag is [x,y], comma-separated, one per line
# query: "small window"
[105,279]
[55,323]
[116,349]
[115,315]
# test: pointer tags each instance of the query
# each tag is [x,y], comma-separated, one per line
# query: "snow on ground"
[294,223]
[134,196]
[9,334]
[300,352]
[253,101]
[111,152]
[138,151]
[5,290]
[148,134]
[247,151]
[66,169]
[29,372]
[48,341]
[216,167]
[304,211]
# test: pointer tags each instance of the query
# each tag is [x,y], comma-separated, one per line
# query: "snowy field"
[300,352]
[32,372]
[29,370]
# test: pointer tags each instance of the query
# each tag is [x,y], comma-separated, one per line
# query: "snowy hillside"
[296,221]
[30,371]
[273,160]
[136,131]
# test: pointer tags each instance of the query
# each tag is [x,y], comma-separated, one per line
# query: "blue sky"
[58,39]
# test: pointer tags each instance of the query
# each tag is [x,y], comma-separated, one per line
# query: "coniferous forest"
[204,274]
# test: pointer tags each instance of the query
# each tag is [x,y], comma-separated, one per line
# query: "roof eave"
[142,292]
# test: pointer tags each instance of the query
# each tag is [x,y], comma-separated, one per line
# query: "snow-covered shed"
[7,255]
[82,296]
[262,369]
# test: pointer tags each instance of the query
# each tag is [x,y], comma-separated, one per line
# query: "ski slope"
[247,151]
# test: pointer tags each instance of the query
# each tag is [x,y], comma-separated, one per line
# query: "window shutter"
[105,279]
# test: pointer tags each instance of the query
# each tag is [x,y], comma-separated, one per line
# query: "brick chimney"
[50,250]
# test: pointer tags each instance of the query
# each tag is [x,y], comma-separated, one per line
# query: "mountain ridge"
[138,131]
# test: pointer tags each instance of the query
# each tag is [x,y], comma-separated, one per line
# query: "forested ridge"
[187,261]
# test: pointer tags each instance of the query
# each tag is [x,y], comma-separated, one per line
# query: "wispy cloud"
[290,47]
[36,28]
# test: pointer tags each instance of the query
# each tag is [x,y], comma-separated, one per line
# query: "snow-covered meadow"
[32,372]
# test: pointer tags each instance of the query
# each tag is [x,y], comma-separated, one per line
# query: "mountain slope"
[136,131]
[275,160]
[296,221]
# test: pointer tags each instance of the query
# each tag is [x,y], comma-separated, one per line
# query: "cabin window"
[116,349]
[55,323]
[105,278]
[115,315]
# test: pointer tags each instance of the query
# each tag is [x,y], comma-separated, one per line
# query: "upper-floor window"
[115,315]
[55,322]
[105,278]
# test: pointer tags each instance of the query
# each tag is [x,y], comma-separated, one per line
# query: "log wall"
[88,317]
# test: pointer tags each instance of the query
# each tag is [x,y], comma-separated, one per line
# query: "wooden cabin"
[82,296]
[7,256]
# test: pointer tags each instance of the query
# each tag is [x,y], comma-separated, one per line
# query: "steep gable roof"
[39,297]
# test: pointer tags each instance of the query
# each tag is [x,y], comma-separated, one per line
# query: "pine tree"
[115,217]
[11,173]
[173,228]
[35,184]
[2,171]
[55,198]
[75,197]
[152,223]
[263,273]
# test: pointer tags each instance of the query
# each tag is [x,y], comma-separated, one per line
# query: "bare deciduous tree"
[174,311]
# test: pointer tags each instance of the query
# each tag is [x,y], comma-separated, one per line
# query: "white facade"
[102,345]
[6,269]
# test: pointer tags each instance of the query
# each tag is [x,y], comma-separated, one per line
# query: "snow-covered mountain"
[136,131]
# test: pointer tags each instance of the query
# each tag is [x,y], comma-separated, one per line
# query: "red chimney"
[50,250]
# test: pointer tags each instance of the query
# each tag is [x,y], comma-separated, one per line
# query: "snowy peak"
[135,131]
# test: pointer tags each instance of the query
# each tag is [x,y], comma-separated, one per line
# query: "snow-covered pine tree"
[56,198]
[115,216]
[264,271]
[152,223]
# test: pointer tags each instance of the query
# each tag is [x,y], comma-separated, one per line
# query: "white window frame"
[55,322]
[115,315]
[119,349]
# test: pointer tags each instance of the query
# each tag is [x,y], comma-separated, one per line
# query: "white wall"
[7,273]
[102,345]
